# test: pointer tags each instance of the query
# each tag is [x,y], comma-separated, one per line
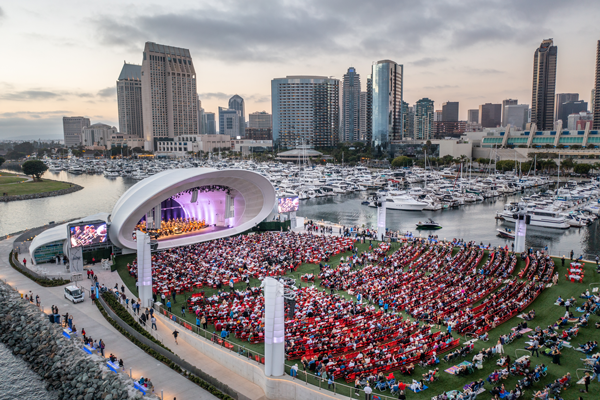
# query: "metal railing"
[317,381]
[214,337]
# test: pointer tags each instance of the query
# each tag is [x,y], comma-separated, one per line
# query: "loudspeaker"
[194,196]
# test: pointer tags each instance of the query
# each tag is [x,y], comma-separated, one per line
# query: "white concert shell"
[253,195]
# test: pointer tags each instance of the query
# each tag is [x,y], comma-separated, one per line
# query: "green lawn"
[10,179]
[32,187]
[546,314]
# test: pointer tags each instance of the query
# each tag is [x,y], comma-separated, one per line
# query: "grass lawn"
[4,173]
[32,187]
[10,179]
[546,314]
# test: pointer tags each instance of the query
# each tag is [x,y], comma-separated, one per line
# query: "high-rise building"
[450,111]
[507,102]
[97,135]
[570,107]
[201,127]
[362,120]
[129,100]
[72,128]
[387,79]
[236,102]
[516,115]
[490,115]
[544,85]
[260,120]
[424,119]
[305,111]
[229,122]
[210,123]
[350,126]
[408,121]
[169,95]
[473,116]
[561,98]
[448,128]
[368,113]
[596,92]
[437,115]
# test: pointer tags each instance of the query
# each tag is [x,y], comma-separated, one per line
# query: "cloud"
[1,13]
[33,114]
[214,96]
[427,61]
[258,98]
[110,91]
[439,87]
[481,71]
[29,95]
[19,128]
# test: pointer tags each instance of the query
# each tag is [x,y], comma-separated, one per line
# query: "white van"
[74,294]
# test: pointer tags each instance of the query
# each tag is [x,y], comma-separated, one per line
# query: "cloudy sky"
[63,57]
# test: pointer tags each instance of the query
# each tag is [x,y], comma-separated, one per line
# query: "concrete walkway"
[86,315]
[186,351]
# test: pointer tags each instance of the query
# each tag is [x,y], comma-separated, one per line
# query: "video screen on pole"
[287,204]
[88,234]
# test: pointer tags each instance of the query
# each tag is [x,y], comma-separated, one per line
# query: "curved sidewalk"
[86,315]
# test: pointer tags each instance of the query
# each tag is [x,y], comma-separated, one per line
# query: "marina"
[464,203]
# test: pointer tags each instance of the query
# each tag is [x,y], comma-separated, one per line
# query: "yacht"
[403,202]
[429,224]
[540,217]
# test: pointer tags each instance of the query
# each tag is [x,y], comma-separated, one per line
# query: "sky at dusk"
[62,58]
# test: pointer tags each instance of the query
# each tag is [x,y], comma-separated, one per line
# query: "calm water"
[471,222]
[17,381]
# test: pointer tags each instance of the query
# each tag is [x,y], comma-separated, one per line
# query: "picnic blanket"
[418,391]
[455,368]
[523,331]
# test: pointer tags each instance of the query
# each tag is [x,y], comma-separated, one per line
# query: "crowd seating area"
[360,336]
[217,262]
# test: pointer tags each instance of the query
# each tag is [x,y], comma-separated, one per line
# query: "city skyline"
[82,49]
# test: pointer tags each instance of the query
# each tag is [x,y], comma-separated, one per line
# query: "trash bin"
[57,318]
[51,318]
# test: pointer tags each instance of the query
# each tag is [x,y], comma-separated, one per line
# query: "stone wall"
[67,370]
[73,188]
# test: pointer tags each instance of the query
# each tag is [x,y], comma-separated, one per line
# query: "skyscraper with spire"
[544,85]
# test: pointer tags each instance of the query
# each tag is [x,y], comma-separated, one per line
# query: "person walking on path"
[153,319]
[101,345]
[169,305]
[204,323]
[572,254]
[562,260]
[534,348]
[175,333]
[183,311]
[368,392]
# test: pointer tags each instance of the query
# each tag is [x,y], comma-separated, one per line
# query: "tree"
[567,164]
[402,161]
[35,168]
[2,161]
[505,165]
[582,168]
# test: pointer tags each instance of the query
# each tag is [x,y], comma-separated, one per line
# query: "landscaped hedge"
[39,281]
[204,385]
[122,313]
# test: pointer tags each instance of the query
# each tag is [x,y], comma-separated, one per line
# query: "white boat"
[540,217]
[403,202]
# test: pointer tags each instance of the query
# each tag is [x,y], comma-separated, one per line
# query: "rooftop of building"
[300,153]
[163,49]
[130,72]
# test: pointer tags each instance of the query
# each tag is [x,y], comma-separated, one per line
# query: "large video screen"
[88,234]
[287,204]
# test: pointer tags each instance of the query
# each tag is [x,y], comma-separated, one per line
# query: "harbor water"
[473,221]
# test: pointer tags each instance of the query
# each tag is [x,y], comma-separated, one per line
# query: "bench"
[141,388]
[68,333]
[89,349]
[114,367]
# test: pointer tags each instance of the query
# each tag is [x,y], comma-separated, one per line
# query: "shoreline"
[18,197]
